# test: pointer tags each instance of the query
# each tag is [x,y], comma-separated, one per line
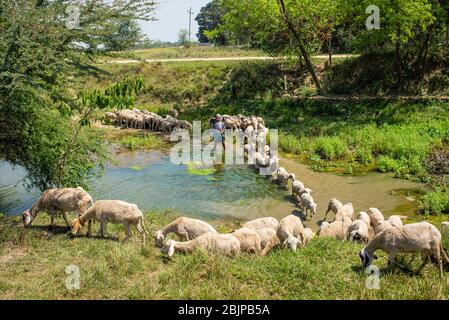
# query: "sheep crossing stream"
[226,192]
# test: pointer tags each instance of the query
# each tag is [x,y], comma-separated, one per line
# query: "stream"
[222,192]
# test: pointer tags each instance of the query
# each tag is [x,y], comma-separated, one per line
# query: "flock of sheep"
[146,120]
[258,236]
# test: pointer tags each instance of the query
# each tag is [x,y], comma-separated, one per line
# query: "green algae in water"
[136,168]
[195,169]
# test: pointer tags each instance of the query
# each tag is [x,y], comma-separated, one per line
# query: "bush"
[330,148]
[435,202]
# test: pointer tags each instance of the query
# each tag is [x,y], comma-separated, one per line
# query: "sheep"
[283,176]
[445,224]
[358,230]
[297,188]
[307,203]
[395,221]
[420,237]
[308,235]
[378,221]
[336,229]
[347,211]
[226,244]
[268,239]
[290,232]
[58,201]
[185,228]
[115,211]
[334,206]
[364,217]
[260,223]
[112,117]
[249,240]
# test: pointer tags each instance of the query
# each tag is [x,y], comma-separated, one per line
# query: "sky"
[172,16]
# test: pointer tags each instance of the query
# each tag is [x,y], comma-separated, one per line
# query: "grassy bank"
[33,263]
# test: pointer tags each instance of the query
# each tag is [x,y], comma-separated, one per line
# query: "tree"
[127,35]
[183,37]
[209,19]
[44,125]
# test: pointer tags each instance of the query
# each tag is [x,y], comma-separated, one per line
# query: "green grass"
[33,262]
[180,52]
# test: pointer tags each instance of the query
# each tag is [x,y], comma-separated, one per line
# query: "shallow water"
[228,192]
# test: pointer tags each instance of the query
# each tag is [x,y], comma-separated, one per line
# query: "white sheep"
[308,235]
[249,240]
[420,237]
[378,221]
[260,223]
[358,230]
[268,239]
[308,203]
[115,211]
[290,232]
[60,201]
[445,224]
[334,206]
[336,229]
[395,221]
[226,244]
[364,217]
[345,212]
[185,228]
[283,176]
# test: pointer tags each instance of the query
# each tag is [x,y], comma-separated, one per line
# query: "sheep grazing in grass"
[345,212]
[290,232]
[249,240]
[336,229]
[268,239]
[60,201]
[115,211]
[260,223]
[358,230]
[420,237]
[185,228]
[308,235]
[226,244]
[283,176]
[334,206]
[445,225]
[308,204]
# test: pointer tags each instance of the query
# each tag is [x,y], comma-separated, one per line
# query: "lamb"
[290,232]
[115,211]
[226,244]
[420,237]
[445,224]
[334,206]
[283,176]
[260,223]
[307,203]
[297,188]
[59,200]
[358,231]
[185,228]
[345,212]
[336,229]
[308,235]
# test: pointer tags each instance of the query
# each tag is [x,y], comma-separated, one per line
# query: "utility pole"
[190,12]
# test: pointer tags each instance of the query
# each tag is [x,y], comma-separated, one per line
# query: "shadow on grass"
[55,230]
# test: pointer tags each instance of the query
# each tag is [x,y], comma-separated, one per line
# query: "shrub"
[435,202]
[330,148]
